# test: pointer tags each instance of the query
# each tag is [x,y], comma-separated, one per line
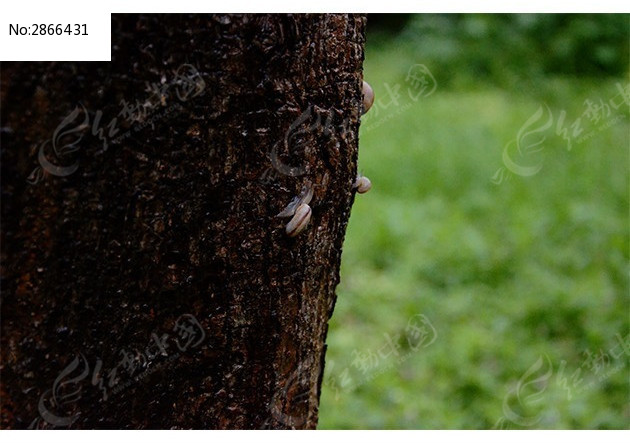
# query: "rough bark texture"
[154,286]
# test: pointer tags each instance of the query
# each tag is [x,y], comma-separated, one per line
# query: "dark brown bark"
[166,217]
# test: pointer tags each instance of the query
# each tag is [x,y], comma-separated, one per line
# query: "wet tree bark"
[146,280]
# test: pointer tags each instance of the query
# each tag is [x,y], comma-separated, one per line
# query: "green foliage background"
[524,278]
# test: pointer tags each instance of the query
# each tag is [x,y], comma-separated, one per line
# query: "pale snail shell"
[300,220]
[362,185]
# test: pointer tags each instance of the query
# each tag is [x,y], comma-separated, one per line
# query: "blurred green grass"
[506,273]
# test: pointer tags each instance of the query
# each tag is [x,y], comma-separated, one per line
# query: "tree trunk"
[147,281]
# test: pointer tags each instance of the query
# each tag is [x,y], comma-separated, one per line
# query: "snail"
[362,184]
[300,220]
[299,210]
